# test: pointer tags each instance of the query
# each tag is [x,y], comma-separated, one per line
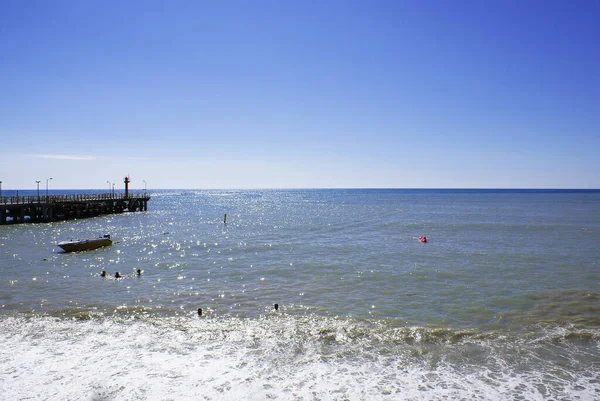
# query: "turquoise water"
[501,303]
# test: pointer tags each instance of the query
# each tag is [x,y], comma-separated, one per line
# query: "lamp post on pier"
[108,182]
[113,194]
[38,185]
[47,179]
[144,187]
[0,189]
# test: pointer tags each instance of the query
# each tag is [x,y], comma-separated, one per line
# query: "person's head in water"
[139,272]
[199,311]
[117,275]
[276,306]
[103,274]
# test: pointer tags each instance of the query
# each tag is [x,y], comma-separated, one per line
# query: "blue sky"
[300,94]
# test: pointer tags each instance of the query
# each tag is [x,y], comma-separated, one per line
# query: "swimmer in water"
[103,274]
[118,275]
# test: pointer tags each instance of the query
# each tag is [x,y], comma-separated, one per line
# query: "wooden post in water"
[225,219]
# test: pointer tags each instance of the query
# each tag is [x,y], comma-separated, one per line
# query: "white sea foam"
[273,357]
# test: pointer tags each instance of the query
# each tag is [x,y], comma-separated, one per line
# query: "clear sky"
[300,94]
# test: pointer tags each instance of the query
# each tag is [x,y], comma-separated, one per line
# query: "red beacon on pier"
[126,186]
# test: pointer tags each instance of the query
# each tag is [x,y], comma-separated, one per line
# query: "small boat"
[85,244]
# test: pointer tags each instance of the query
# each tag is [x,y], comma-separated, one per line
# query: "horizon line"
[323,188]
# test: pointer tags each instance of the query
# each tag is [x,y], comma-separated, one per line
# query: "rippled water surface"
[502,302]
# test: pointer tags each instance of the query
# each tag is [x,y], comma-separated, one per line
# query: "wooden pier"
[45,209]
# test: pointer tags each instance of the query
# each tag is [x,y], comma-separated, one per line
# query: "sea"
[501,303]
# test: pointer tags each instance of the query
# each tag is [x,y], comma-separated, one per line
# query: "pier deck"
[45,209]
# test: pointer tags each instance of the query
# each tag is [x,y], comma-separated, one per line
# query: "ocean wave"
[277,356]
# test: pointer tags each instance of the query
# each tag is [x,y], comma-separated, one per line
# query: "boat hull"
[84,245]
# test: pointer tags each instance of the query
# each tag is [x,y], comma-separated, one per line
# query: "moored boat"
[85,244]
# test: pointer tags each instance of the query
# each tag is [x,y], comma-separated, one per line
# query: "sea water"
[501,303]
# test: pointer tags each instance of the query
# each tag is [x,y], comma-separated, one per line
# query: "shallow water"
[501,303]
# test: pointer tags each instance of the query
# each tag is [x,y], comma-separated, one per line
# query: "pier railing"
[20,200]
